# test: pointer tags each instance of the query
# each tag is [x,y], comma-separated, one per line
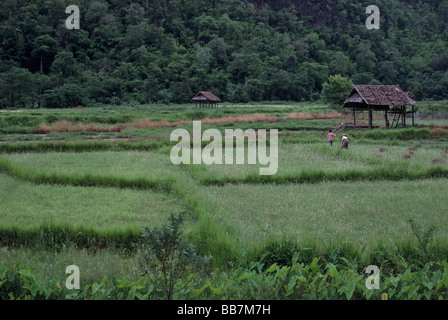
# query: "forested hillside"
[164,51]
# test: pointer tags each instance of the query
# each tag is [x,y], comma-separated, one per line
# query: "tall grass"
[310,163]
[67,126]
[81,146]
[392,134]
[329,214]
[58,236]
[313,116]
[84,180]
[50,216]
[316,175]
[51,262]
[150,165]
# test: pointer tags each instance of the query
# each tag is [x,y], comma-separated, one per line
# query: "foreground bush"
[169,255]
[298,281]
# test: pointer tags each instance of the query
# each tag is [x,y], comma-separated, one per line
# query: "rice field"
[123,164]
[66,195]
[26,205]
[294,159]
[361,213]
[262,211]
[425,156]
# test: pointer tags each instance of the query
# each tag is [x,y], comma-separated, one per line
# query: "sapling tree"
[423,235]
[168,256]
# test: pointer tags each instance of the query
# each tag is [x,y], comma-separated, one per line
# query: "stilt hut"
[391,100]
[205,99]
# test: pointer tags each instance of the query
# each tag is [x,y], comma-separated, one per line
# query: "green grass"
[84,146]
[298,163]
[301,163]
[407,134]
[431,123]
[26,205]
[362,213]
[50,263]
[292,159]
[125,164]
[420,156]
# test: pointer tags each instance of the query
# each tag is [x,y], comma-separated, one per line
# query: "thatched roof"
[355,97]
[378,95]
[205,96]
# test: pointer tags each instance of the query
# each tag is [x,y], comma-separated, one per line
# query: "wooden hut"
[385,98]
[205,99]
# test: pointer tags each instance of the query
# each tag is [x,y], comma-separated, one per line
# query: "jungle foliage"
[132,52]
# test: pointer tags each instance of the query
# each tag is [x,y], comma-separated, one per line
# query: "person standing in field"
[344,141]
[331,135]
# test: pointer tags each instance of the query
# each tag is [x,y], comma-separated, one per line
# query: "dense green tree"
[95,14]
[64,65]
[340,64]
[134,14]
[16,87]
[336,90]
[203,57]
[254,89]
[68,95]
[44,49]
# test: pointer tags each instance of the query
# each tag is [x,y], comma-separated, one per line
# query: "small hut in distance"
[386,98]
[206,99]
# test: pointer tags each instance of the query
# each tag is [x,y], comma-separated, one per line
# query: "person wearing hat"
[344,141]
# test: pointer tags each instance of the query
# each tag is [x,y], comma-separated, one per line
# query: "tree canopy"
[335,90]
[165,51]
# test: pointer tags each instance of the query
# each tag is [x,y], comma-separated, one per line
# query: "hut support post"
[404,117]
[386,120]
[370,118]
[354,118]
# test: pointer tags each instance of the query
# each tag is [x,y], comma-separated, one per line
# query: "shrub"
[168,255]
[195,115]
[279,252]
[66,96]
